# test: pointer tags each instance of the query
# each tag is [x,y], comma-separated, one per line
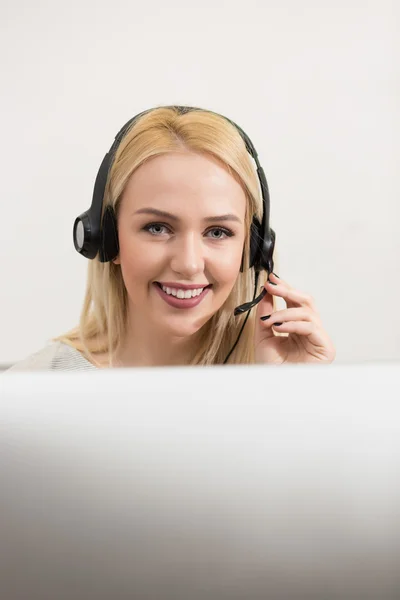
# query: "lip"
[182,286]
[181,302]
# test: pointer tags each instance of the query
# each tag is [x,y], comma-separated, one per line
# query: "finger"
[291,296]
[290,314]
[305,328]
[265,307]
[274,277]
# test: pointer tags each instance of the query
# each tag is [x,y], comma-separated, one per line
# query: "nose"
[188,256]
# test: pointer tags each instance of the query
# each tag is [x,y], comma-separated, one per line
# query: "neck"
[142,347]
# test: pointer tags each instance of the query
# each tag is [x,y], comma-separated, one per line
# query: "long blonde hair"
[104,314]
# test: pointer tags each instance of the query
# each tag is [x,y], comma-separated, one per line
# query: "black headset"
[94,235]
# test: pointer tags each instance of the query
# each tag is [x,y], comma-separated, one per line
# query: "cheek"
[136,269]
[134,262]
[226,265]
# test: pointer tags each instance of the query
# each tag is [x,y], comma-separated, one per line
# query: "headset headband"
[93,236]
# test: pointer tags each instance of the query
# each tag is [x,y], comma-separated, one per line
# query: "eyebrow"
[167,215]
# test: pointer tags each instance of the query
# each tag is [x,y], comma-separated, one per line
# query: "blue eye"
[159,229]
[155,228]
[225,233]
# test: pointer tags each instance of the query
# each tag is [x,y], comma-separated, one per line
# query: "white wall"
[314,84]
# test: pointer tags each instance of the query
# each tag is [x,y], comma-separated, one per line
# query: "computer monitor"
[199,483]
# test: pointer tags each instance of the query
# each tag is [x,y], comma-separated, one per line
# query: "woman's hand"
[306,342]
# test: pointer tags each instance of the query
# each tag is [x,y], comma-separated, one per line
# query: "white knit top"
[56,356]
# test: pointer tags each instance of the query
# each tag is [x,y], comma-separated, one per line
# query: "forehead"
[180,180]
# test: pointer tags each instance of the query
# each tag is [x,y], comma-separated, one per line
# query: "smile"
[180,293]
[182,298]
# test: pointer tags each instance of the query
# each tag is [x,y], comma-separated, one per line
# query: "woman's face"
[181,236]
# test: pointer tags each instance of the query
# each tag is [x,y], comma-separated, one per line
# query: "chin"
[183,328]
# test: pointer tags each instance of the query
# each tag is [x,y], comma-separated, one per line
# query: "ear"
[117,261]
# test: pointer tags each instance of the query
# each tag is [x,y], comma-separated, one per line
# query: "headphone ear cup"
[265,258]
[267,252]
[109,244]
[255,243]
[261,249]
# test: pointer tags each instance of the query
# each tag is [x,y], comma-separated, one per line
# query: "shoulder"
[56,356]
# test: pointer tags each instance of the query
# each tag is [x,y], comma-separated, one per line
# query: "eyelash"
[227,232]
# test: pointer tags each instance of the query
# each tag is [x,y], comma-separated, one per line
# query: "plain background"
[314,84]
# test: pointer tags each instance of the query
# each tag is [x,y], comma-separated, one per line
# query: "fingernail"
[277,324]
[275,275]
[265,318]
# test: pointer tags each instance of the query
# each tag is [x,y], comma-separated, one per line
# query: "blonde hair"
[104,313]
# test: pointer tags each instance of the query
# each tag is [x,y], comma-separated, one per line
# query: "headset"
[96,235]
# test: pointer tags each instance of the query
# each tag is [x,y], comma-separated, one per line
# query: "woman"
[182,195]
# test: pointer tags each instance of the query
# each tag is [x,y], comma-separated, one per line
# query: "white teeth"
[180,293]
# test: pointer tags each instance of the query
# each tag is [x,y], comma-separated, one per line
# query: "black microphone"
[249,305]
